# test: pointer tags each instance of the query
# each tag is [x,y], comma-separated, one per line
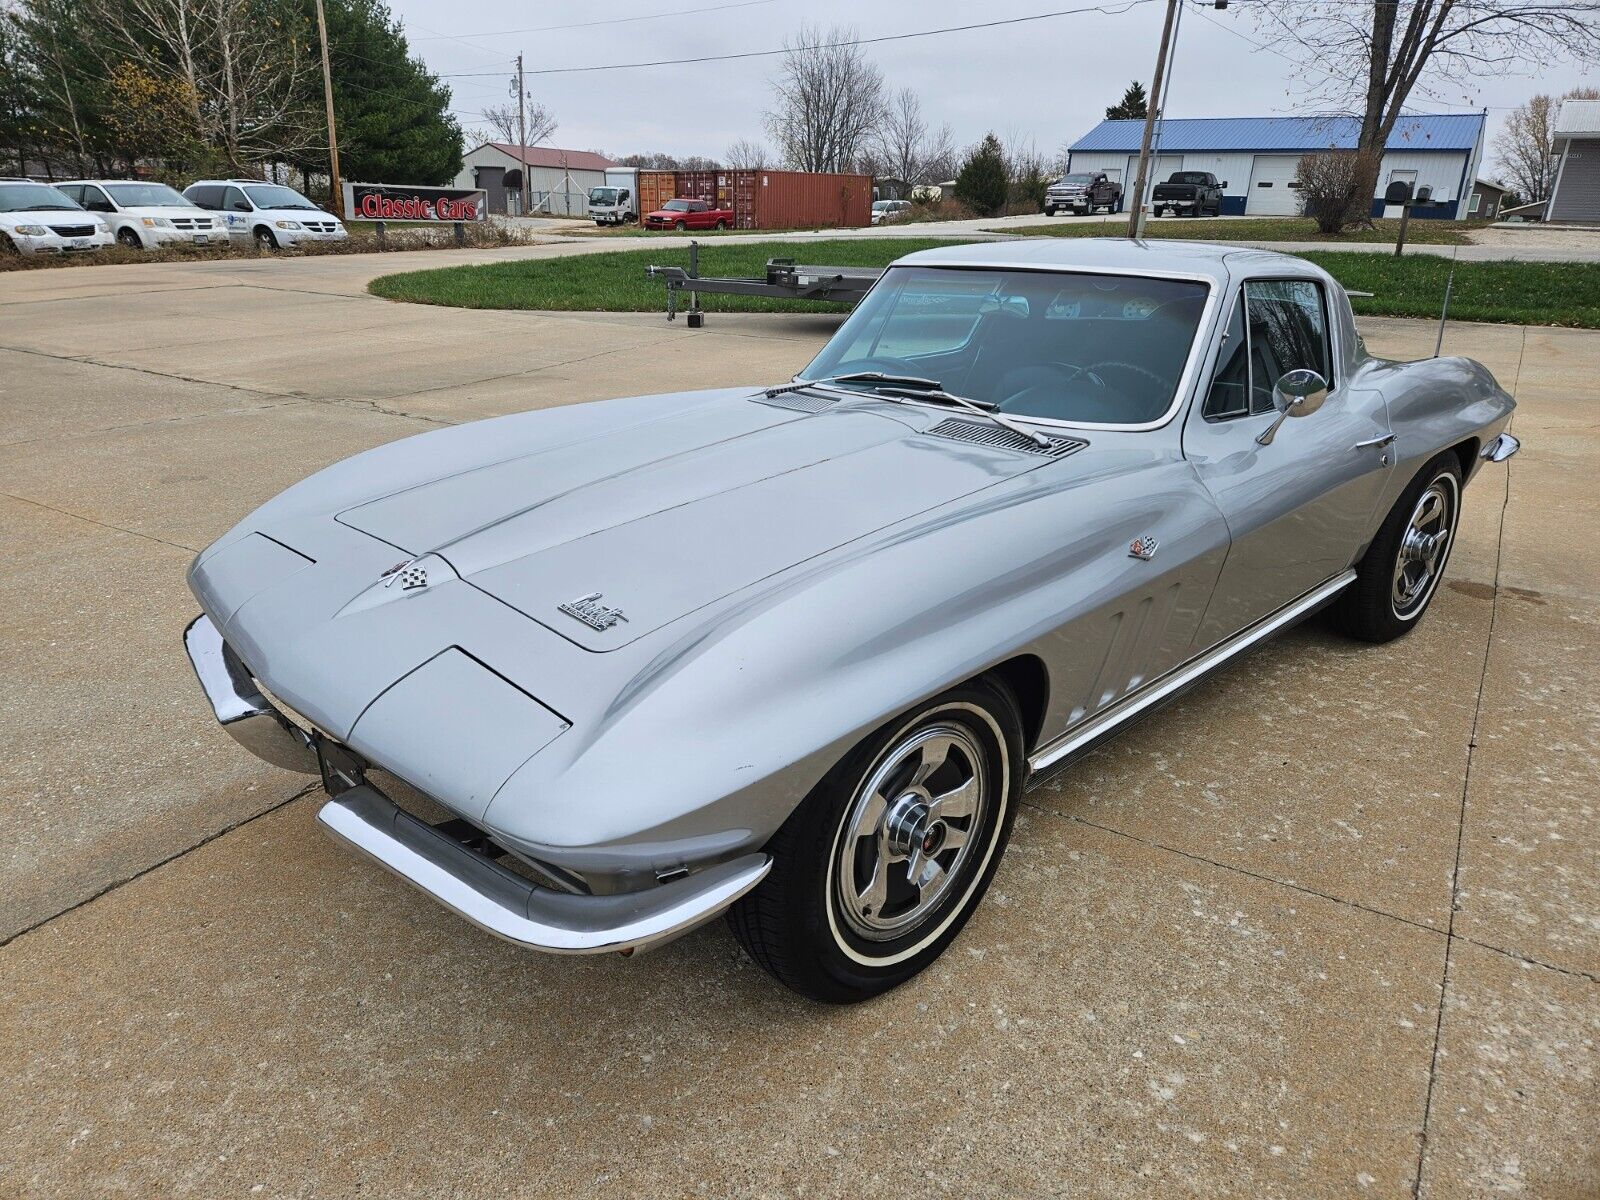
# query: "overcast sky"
[1045,81]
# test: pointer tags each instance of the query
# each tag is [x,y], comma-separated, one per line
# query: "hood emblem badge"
[408,573]
[592,613]
[1143,548]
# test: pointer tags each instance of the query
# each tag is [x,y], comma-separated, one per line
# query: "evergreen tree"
[1134,106]
[981,184]
[392,115]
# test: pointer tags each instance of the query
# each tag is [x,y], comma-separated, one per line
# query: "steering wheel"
[1094,369]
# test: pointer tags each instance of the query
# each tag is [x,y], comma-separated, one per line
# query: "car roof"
[1206,260]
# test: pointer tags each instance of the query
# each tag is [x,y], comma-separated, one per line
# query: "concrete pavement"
[1330,926]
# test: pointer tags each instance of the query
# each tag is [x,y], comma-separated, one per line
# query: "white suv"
[268,212]
[37,219]
[142,215]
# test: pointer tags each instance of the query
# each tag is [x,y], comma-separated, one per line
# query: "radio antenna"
[1445,311]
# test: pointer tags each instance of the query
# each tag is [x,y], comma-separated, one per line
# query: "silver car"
[793,653]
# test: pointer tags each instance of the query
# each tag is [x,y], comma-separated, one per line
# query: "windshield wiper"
[915,387]
[889,391]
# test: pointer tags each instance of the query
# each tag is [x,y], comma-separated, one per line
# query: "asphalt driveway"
[1330,926]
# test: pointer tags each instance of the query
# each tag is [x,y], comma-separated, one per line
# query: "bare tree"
[828,100]
[1334,187]
[745,155]
[502,120]
[1376,53]
[1526,146]
[243,88]
[904,147]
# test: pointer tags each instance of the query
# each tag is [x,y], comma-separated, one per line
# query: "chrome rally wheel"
[880,866]
[908,834]
[1424,547]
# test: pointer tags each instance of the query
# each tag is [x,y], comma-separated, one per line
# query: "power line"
[1108,9]
[677,12]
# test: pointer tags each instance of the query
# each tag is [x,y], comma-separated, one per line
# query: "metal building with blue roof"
[1257,156]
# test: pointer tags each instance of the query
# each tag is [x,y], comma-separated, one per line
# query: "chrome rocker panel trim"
[240,707]
[1500,449]
[505,904]
[1082,736]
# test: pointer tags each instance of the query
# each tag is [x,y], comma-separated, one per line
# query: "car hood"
[658,519]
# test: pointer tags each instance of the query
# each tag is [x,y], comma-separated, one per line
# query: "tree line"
[186,88]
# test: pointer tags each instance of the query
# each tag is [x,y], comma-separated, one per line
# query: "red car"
[689,214]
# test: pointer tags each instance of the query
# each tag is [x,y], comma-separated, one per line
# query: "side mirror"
[1224,183]
[1298,393]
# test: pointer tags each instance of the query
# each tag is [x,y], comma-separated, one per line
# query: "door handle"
[1375,443]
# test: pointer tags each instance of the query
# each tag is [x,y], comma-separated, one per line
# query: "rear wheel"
[881,865]
[1398,575]
[722,224]
[129,238]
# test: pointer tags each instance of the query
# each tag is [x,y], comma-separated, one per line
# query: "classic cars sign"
[402,202]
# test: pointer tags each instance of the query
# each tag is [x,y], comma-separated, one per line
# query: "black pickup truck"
[1194,192]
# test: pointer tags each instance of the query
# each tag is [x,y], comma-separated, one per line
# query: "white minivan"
[270,213]
[37,219]
[142,215]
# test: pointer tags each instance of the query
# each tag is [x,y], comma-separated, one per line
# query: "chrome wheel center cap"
[910,826]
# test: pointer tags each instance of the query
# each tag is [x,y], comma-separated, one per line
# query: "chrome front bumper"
[505,904]
[469,883]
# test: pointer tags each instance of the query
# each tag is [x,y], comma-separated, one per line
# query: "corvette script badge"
[592,613]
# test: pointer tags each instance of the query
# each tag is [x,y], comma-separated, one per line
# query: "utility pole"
[1136,216]
[522,133]
[336,193]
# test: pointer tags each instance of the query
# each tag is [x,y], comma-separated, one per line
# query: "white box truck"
[617,203]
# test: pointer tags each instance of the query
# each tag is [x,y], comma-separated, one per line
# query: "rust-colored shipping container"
[766,199]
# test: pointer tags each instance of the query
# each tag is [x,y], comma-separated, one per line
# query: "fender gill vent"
[985,434]
[798,401]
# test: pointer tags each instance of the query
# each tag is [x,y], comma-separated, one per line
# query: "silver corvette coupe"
[792,653]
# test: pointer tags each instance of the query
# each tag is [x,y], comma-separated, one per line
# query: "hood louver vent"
[984,434]
[798,401]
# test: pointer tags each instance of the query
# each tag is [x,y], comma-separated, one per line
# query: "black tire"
[1158,211]
[1378,606]
[679,226]
[8,248]
[1049,210]
[265,238]
[129,238]
[722,225]
[798,926]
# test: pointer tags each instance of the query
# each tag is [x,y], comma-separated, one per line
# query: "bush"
[981,184]
[1336,188]
[1028,189]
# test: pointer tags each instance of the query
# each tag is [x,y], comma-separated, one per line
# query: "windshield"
[1085,349]
[881,205]
[34,197]
[146,195]
[679,206]
[273,196]
[1188,177]
[605,196]
[1075,178]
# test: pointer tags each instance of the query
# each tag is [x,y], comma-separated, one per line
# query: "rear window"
[1189,177]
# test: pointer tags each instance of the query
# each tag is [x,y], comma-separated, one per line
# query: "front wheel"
[1398,575]
[679,226]
[1049,210]
[130,239]
[881,865]
[265,238]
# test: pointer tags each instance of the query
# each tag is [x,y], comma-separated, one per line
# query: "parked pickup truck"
[1194,192]
[689,214]
[1083,192]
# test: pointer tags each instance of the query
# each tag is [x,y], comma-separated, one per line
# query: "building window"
[1473,207]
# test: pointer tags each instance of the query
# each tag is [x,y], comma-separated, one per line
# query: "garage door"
[1272,191]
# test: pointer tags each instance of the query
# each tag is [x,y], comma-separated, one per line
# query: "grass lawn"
[1255,229]
[1519,293]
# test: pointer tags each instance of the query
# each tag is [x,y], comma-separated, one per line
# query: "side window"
[233,200]
[95,200]
[72,191]
[201,197]
[1288,331]
[1230,386]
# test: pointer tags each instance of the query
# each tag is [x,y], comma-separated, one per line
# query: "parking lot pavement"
[1330,921]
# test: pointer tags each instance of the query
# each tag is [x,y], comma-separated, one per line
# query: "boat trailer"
[785,280]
